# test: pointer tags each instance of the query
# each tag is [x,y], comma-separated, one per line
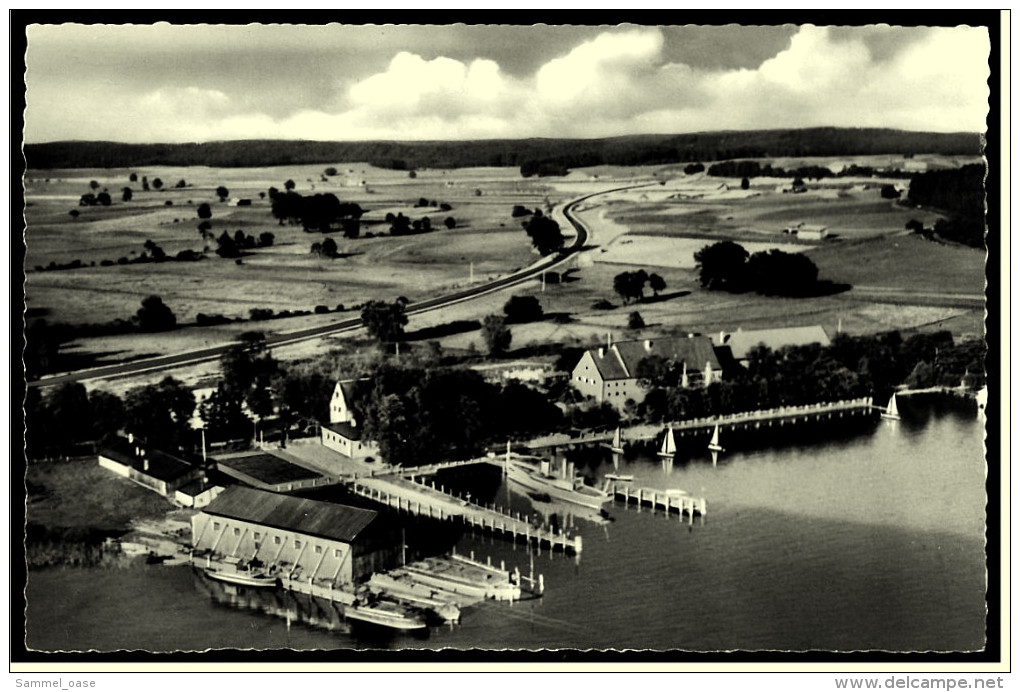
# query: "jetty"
[423,498]
[747,420]
[668,501]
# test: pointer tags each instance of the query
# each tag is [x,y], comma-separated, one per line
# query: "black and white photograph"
[650,339]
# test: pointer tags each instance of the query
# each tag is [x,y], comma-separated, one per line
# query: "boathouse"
[307,540]
[150,468]
[737,345]
[609,373]
[342,434]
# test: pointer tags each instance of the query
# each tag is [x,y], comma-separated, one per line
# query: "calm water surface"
[870,542]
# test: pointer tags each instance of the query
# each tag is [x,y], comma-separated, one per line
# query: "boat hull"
[385,618]
[533,480]
[258,581]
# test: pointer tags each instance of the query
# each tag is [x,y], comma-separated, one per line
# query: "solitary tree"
[745,184]
[94,184]
[133,178]
[521,309]
[656,283]
[450,222]
[635,320]
[157,183]
[545,234]
[204,211]
[288,185]
[496,334]
[329,248]
[330,171]
[126,194]
[222,193]
[155,316]
[384,321]
[721,265]
[104,199]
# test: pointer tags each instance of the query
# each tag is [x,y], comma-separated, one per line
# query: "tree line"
[569,153]
[851,366]
[961,194]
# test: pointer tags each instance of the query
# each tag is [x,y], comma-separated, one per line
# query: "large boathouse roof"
[311,517]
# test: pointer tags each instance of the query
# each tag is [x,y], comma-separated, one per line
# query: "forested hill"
[532,155]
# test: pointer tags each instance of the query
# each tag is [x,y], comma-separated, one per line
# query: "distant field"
[285,276]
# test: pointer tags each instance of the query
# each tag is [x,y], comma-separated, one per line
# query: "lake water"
[871,541]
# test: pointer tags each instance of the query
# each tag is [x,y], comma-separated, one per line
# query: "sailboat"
[714,445]
[617,446]
[891,412]
[668,449]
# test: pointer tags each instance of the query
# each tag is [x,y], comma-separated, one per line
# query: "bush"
[106,263]
[321,310]
[259,314]
[340,307]
[602,304]
[635,320]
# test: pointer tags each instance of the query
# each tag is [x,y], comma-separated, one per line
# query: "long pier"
[426,500]
[747,420]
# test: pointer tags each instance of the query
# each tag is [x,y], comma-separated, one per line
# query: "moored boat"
[892,411]
[254,579]
[464,579]
[566,486]
[713,445]
[668,449]
[386,614]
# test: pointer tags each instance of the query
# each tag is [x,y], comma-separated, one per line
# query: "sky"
[173,83]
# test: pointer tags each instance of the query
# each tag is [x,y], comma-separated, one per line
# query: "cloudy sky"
[165,83]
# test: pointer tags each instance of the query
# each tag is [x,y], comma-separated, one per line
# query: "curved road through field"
[348,325]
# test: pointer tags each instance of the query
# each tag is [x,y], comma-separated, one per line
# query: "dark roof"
[162,466]
[620,361]
[310,517]
[345,429]
[267,468]
[194,488]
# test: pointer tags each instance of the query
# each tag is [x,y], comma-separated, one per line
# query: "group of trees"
[849,367]
[248,371]
[324,212]
[68,419]
[90,199]
[727,266]
[228,246]
[961,194]
[631,285]
[385,321]
[420,416]
[545,233]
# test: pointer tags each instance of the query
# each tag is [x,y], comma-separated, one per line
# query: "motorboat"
[566,485]
[246,578]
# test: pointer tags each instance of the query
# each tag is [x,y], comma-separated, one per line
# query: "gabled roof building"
[609,373]
[342,434]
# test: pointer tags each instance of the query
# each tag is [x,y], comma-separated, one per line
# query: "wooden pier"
[665,500]
[747,420]
[428,500]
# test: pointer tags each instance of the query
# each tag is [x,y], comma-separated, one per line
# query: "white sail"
[668,444]
[893,410]
[618,440]
[713,444]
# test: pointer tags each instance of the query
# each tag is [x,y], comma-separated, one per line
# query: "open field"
[904,280]
[284,276]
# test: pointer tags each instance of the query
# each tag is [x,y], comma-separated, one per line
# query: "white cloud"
[617,83]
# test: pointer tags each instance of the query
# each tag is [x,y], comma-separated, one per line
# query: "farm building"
[808,231]
[341,434]
[308,539]
[609,374]
[739,343]
[150,468]
[197,493]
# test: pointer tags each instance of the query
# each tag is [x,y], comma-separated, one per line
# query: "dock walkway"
[427,500]
[735,421]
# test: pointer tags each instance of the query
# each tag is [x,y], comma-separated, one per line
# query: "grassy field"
[285,276]
[79,494]
[657,224]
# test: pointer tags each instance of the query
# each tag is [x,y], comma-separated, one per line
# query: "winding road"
[214,352]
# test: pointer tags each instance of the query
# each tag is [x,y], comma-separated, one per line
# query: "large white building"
[320,542]
[609,373]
